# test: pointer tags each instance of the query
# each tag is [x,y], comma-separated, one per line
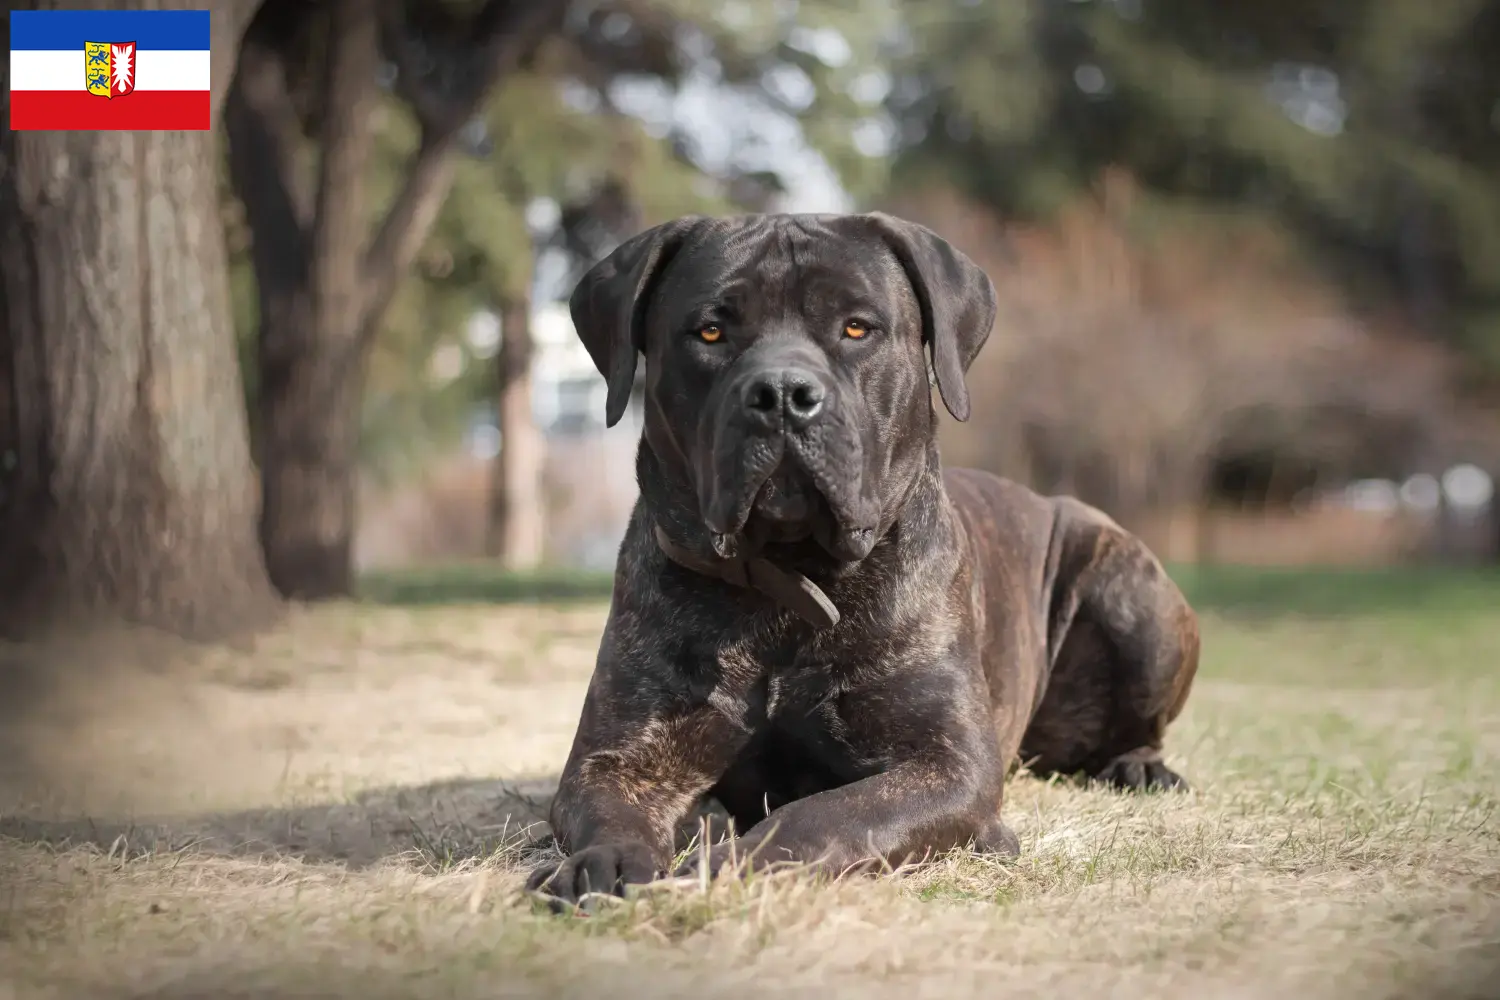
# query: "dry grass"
[337,811]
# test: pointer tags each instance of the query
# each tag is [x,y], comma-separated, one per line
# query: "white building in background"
[590,468]
[567,393]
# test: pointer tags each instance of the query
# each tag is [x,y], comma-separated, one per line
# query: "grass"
[480,583]
[1237,590]
[1338,593]
[344,809]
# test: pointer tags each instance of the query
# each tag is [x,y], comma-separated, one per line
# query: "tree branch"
[429,177]
[228,24]
[445,69]
[346,139]
[264,132]
[446,90]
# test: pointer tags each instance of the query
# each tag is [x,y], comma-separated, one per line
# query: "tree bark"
[517,525]
[307,241]
[1495,520]
[126,487]
[325,279]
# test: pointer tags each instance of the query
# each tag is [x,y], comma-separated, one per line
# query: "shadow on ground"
[443,823]
[438,825]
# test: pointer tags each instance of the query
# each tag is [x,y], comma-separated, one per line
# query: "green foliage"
[544,146]
[1368,125]
[553,131]
[1019,104]
[480,252]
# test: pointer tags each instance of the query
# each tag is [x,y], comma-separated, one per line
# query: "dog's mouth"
[787,498]
[792,505]
[784,509]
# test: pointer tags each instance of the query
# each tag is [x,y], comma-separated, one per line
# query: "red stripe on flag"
[78,110]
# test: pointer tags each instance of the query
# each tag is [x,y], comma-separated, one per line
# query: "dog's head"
[787,364]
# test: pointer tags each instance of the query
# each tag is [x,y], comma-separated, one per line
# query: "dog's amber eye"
[854,330]
[710,334]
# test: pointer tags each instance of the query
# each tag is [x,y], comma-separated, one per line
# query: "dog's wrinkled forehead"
[766,269]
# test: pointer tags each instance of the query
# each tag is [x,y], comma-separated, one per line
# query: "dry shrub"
[588,488]
[1316,536]
[439,518]
[1136,341]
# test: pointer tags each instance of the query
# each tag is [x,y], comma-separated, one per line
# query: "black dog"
[813,622]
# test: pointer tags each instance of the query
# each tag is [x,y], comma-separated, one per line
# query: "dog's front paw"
[999,839]
[604,869]
[733,855]
[1142,771]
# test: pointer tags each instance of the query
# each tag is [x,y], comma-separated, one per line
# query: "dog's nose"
[791,394]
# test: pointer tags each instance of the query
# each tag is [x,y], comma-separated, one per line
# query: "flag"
[114,69]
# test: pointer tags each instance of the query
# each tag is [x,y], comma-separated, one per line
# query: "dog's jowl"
[813,622]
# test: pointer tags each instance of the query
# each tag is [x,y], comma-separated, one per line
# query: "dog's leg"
[906,814]
[635,771]
[748,791]
[1123,670]
[941,786]
[996,837]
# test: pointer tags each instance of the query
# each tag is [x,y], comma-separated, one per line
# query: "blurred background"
[1248,262]
[1248,256]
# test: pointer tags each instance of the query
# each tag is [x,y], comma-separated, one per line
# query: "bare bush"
[1134,343]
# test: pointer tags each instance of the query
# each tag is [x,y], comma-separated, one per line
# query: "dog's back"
[1073,604]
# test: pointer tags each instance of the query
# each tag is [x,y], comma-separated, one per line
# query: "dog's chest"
[788,696]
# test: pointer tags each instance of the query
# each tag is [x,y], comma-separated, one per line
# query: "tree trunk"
[1495,519]
[325,279]
[307,414]
[312,301]
[516,533]
[126,488]
[1203,548]
[1128,481]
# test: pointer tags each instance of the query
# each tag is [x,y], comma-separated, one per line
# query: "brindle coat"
[978,623]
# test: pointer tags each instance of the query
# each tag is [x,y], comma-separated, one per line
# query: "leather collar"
[792,591]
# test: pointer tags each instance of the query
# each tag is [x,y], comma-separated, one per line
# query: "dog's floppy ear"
[609,306]
[956,297]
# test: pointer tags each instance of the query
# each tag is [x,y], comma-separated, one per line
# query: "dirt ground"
[340,810]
